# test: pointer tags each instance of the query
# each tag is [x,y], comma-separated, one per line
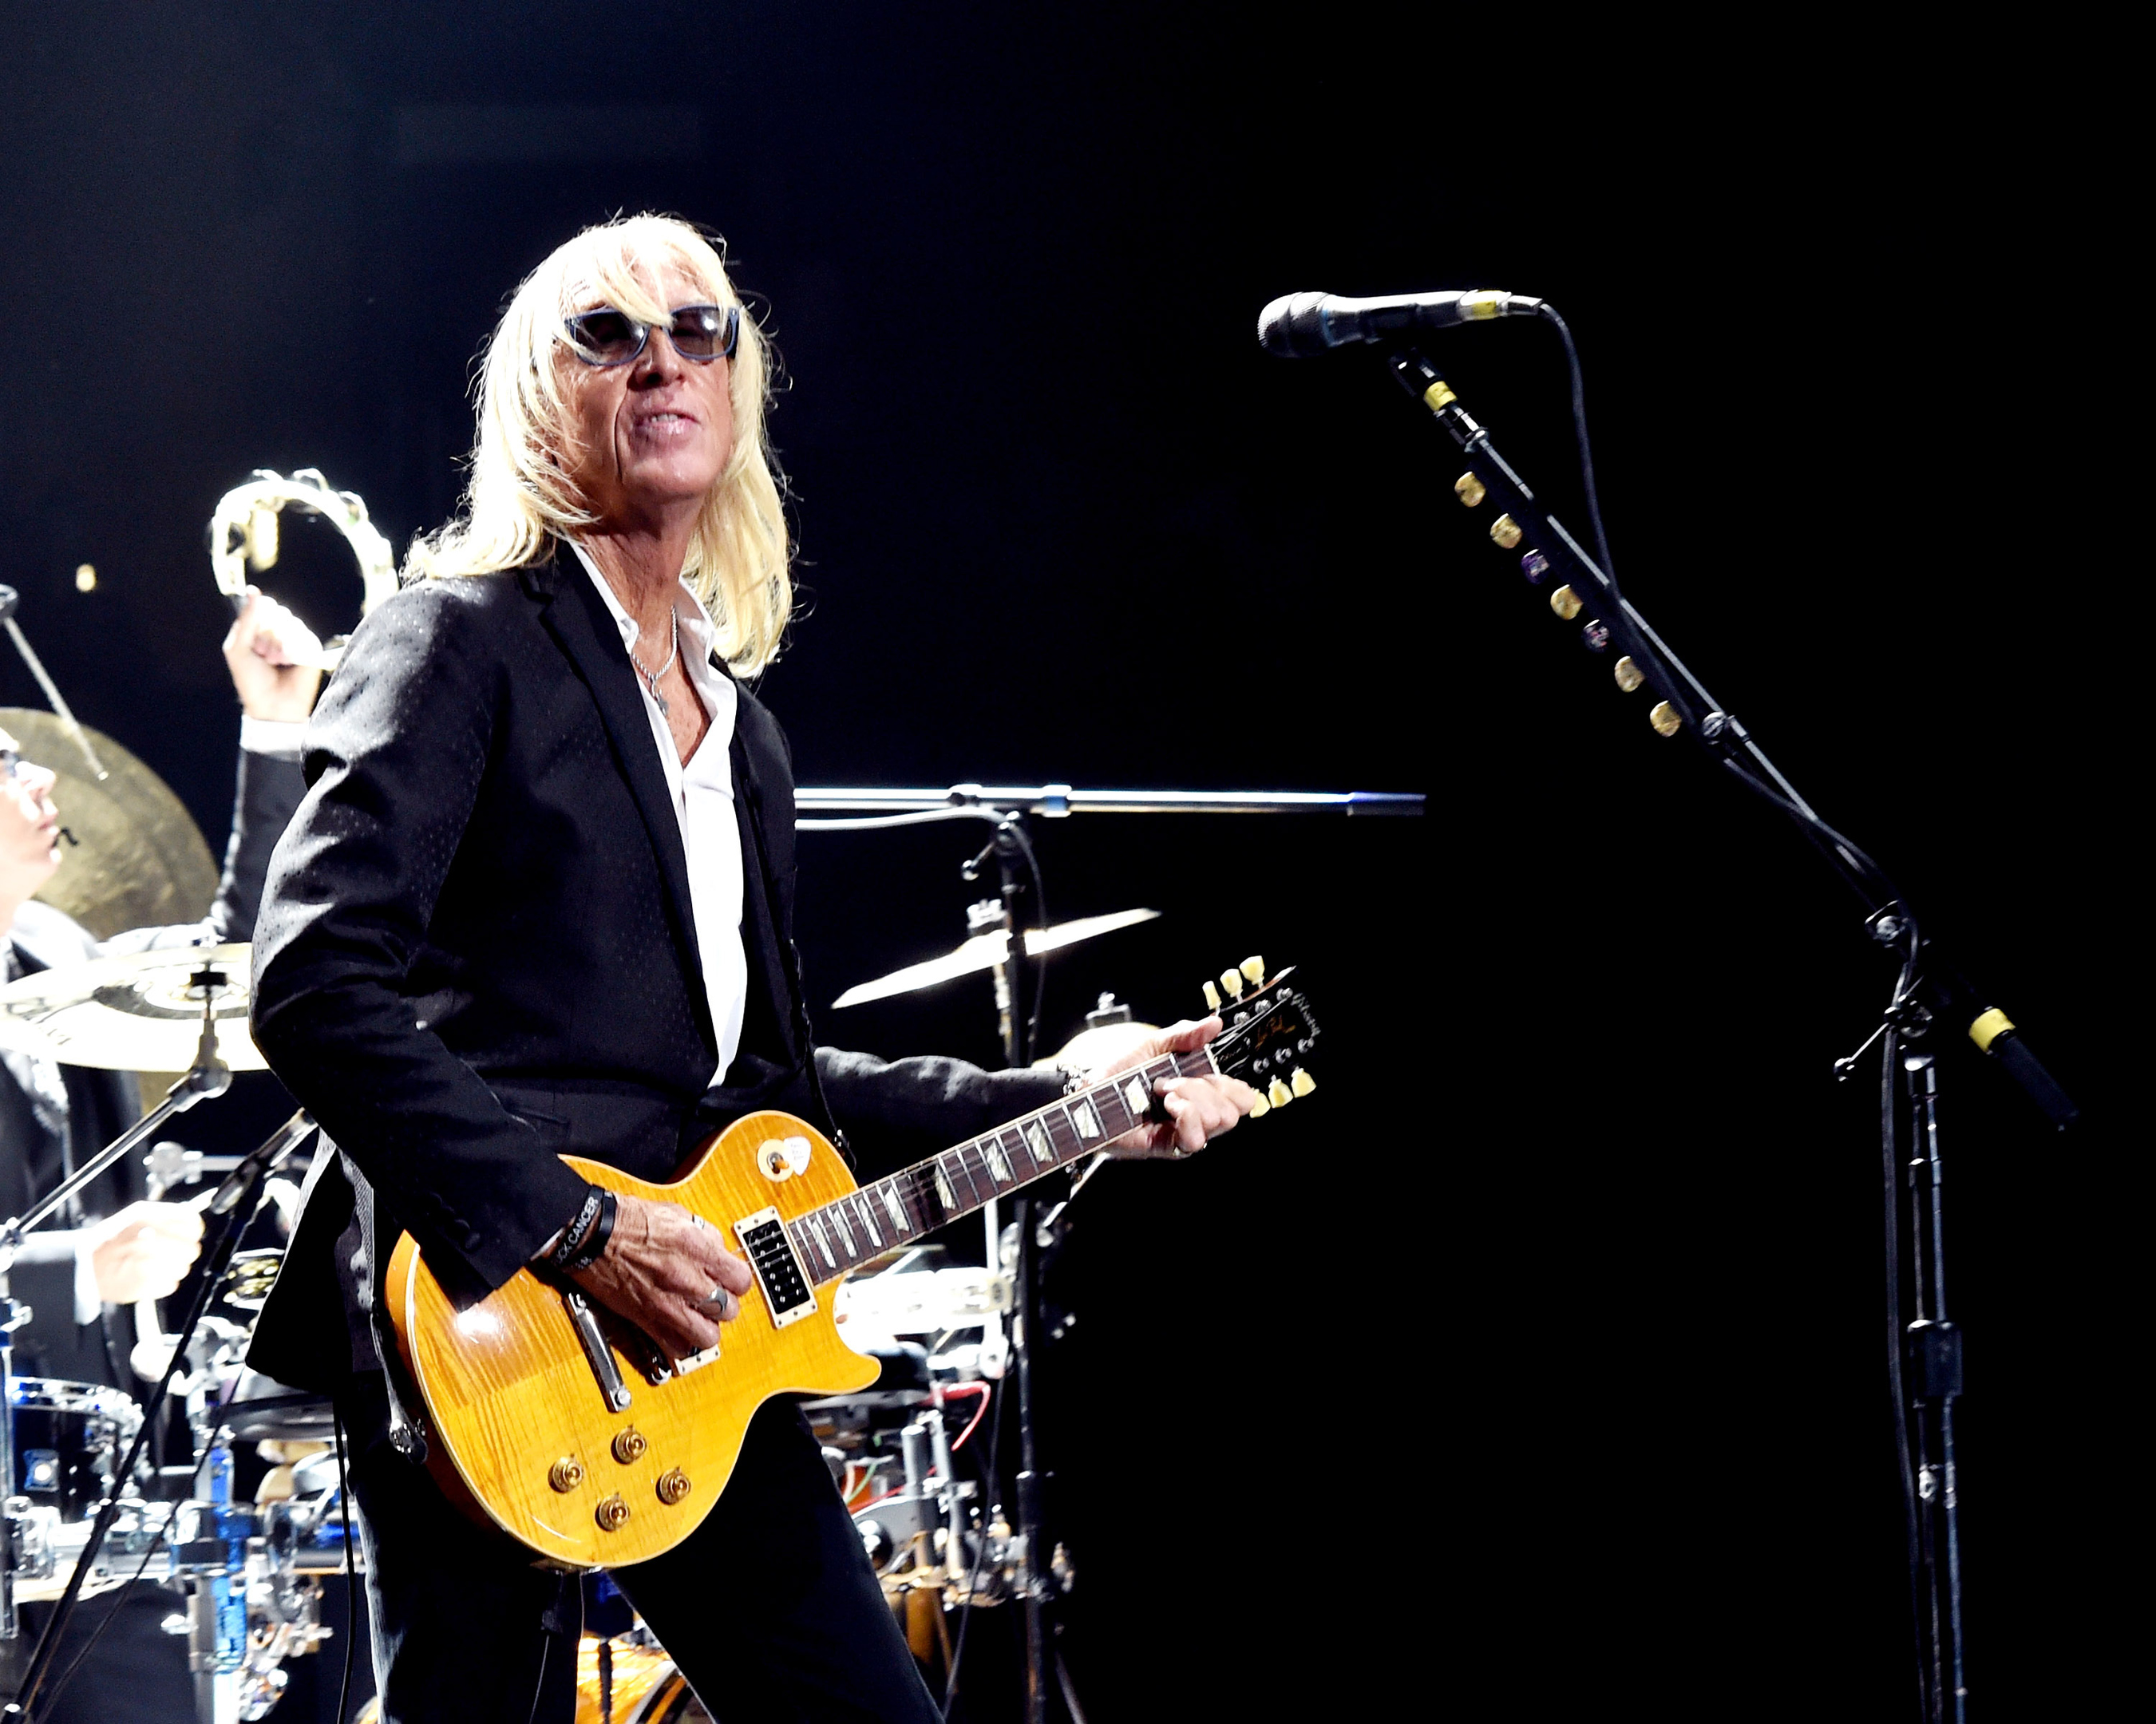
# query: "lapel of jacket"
[579,620]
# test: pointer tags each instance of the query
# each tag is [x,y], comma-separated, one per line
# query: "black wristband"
[595,1245]
[583,1238]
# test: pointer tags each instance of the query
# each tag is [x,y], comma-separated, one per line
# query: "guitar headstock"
[1268,1035]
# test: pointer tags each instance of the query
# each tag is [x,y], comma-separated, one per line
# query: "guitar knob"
[1212,996]
[612,1514]
[673,1486]
[566,1474]
[1279,1094]
[1254,971]
[1301,1081]
[1231,984]
[629,1445]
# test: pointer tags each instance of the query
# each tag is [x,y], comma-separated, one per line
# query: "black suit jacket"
[477,952]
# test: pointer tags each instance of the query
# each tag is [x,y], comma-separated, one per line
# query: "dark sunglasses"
[607,337]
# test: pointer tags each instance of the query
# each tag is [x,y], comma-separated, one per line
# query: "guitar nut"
[612,1514]
[566,1474]
[673,1486]
[629,1445]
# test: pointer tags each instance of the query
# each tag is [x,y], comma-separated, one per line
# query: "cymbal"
[139,1013]
[139,860]
[984,951]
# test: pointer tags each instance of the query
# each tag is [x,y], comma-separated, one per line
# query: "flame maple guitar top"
[517,1409]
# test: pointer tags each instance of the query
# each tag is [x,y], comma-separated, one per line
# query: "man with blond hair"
[539,900]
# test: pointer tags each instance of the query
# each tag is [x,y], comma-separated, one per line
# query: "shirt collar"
[695,622]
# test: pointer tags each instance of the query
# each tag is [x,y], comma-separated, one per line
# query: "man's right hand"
[660,1267]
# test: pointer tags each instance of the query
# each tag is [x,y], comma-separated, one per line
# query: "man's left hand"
[1198,1109]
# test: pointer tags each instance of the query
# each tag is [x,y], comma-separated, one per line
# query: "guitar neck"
[886,1213]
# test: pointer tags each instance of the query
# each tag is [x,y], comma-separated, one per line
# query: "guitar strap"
[789,956]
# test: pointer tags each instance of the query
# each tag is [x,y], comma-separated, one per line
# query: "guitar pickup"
[786,1291]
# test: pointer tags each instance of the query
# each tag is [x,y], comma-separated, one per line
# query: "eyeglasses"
[606,337]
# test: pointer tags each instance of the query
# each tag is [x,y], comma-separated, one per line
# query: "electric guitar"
[561,1422]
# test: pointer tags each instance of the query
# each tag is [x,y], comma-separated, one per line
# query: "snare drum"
[70,1438]
[640,1685]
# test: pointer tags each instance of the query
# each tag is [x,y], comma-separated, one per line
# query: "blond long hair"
[519,500]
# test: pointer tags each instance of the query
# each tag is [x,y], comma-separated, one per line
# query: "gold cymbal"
[139,859]
[984,951]
[139,1013]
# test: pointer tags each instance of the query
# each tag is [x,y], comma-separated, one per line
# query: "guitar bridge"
[786,1288]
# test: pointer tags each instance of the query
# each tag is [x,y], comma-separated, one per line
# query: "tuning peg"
[1211,996]
[1261,1107]
[1254,971]
[1279,1094]
[1469,489]
[1300,1082]
[1506,531]
[1567,603]
[1231,984]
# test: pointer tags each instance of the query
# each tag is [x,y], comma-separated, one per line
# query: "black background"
[1535,1363]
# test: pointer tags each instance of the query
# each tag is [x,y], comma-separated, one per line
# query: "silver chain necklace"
[651,677]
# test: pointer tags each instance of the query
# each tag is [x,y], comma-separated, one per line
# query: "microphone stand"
[1013,1023]
[866,809]
[1928,994]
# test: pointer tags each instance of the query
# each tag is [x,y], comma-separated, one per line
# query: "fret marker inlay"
[868,1218]
[1083,1116]
[1136,1098]
[823,1244]
[891,1208]
[943,1191]
[996,1161]
[1037,1140]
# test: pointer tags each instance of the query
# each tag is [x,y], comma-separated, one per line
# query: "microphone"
[1302,324]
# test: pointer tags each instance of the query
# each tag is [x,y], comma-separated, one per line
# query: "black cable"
[1032,1042]
[989,1475]
[1586,452]
[351,1582]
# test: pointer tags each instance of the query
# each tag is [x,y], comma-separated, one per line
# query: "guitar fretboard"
[886,1213]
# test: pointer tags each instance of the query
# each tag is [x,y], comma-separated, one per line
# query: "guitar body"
[516,1407]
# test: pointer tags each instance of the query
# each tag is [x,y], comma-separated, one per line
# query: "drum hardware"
[145,1011]
[233,1204]
[11,601]
[243,532]
[138,860]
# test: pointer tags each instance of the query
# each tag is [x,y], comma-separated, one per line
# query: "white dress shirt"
[703,793]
